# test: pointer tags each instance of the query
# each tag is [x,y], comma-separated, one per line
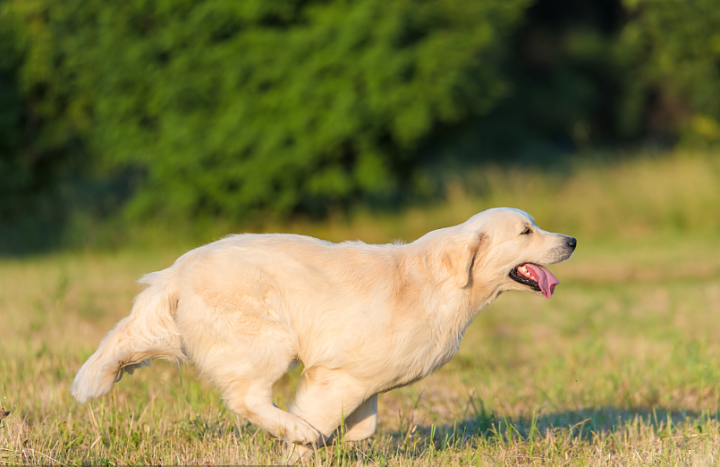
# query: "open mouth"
[536,277]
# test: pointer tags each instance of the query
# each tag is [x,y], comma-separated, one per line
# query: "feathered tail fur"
[149,332]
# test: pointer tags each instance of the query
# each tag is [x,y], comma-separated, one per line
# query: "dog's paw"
[296,452]
[300,433]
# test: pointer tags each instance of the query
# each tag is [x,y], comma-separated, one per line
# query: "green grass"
[620,367]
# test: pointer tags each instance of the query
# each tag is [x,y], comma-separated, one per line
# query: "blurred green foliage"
[217,108]
[674,50]
[230,107]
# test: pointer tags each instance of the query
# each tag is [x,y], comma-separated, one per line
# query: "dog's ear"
[459,254]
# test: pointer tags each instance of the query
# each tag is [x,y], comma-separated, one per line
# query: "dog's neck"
[448,319]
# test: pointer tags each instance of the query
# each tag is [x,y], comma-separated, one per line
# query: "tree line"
[219,108]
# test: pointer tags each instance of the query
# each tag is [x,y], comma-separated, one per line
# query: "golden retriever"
[362,319]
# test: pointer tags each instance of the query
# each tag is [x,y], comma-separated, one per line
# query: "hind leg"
[245,368]
[246,379]
[254,403]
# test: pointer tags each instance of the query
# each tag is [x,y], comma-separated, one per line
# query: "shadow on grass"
[583,424]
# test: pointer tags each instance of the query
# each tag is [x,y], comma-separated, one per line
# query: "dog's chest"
[445,346]
[421,356]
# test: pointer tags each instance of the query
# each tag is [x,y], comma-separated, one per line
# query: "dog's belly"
[391,359]
[419,363]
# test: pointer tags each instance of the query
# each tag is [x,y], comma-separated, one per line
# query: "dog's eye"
[527,231]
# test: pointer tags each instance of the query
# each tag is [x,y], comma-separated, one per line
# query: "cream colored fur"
[362,319]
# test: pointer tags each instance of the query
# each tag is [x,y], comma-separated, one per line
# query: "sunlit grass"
[621,367]
[618,368]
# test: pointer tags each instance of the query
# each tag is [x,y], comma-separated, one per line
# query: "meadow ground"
[620,367]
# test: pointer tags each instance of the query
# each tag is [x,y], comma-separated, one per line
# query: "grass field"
[620,367]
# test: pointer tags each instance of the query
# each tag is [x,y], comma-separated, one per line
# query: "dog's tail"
[149,332]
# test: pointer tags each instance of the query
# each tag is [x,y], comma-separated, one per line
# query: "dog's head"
[503,249]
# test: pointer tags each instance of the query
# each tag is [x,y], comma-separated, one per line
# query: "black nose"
[571,242]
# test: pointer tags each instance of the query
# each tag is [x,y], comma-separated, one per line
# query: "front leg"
[325,397]
[361,424]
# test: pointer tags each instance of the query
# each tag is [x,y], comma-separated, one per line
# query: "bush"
[232,107]
[673,50]
[218,108]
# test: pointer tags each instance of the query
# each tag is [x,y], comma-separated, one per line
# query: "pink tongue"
[545,278]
